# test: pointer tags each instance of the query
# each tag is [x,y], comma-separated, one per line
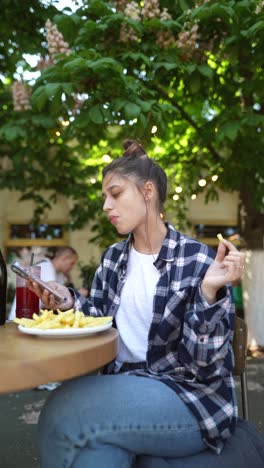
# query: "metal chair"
[240,353]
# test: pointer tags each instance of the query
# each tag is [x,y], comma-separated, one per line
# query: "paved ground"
[19,415]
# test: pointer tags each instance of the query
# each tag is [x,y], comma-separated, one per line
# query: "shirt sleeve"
[93,305]
[205,348]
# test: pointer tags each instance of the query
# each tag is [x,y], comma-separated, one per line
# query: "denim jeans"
[104,421]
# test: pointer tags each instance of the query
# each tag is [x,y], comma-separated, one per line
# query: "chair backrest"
[240,345]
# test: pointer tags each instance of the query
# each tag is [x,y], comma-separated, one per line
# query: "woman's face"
[124,203]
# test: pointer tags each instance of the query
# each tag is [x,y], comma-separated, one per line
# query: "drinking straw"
[31,259]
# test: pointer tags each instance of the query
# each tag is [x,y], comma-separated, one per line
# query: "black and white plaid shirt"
[190,341]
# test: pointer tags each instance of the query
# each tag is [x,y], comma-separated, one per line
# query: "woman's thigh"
[135,414]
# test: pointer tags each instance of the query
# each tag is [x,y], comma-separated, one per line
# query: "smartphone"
[19,270]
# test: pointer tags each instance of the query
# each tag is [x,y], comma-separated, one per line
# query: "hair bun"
[133,148]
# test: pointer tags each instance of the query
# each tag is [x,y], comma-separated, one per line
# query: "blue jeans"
[104,421]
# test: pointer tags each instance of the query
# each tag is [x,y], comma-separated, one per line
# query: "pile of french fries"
[48,319]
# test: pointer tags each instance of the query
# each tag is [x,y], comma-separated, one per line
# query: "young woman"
[170,391]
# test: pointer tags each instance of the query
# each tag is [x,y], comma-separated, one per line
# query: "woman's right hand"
[48,299]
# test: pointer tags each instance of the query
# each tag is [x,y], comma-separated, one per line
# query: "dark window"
[209,230]
[39,231]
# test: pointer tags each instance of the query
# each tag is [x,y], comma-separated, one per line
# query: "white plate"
[65,332]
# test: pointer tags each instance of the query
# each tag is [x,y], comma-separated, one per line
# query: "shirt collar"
[166,253]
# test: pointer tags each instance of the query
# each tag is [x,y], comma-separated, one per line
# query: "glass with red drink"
[27,303]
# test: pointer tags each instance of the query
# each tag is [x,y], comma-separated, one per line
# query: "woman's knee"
[68,408]
[54,412]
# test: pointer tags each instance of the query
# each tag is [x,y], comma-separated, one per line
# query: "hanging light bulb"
[175,197]
[214,178]
[178,189]
[202,182]
[106,158]
[154,129]
[194,196]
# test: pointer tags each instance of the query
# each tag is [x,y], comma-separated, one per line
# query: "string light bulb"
[194,196]
[175,197]
[214,178]
[106,158]
[202,182]
[178,189]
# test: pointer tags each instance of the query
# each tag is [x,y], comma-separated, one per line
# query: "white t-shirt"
[48,273]
[134,315]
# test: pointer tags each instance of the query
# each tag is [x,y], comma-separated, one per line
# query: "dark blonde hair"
[65,250]
[136,164]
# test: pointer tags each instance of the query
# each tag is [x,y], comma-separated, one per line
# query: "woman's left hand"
[227,267]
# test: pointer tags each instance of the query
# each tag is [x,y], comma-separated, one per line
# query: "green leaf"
[86,32]
[190,68]
[55,104]
[67,24]
[119,104]
[39,98]
[195,83]
[253,119]
[142,120]
[166,65]
[229,130]
[107,115]
[76,63]
[205,70]
[253,30]
[145,105]
[214,10]
[132,110]
[184,5]
[12,132]
[52,88]
[49,74]
[43,120]
[96,115]
[67,88]
[105,62]
[100,8]
[137,57]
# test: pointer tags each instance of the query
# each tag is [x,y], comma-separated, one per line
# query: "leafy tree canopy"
[185,77]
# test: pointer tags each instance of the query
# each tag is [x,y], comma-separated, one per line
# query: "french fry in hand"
[48,319]
[220,237]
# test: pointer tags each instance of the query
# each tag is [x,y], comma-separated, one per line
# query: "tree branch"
[192,122]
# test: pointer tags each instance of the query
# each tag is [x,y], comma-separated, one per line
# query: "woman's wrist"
[209,293]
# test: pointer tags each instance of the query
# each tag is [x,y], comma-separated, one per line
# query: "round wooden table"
[28,361]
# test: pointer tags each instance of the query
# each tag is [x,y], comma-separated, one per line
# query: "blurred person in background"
[56,269]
